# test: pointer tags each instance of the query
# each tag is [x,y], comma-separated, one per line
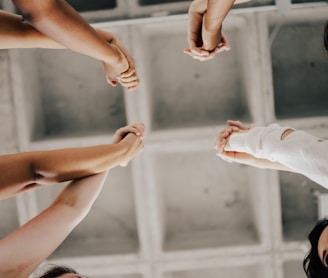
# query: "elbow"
[74,208]
[32,11]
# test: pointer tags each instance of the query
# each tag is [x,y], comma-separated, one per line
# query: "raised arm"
[55,24]
[59,21]
[227,153]
[23,250]
[23,171]
[276,147]
[16,33]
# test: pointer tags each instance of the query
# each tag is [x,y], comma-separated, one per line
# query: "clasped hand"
[122,69]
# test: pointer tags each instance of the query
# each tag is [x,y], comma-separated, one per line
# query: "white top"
[299,151]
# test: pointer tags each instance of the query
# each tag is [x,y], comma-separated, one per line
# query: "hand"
[204,43]
[129,78]
[201,54]
[125,74]
[200,40]
[137,128]
[222,139]
[122,71]
[131,138]
[224,151]
[239,125]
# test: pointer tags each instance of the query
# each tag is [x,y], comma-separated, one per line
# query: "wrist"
[117,60]
[212,26]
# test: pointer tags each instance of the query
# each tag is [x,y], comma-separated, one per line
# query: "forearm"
[298,150]
[59,21]
[267,164]
[15,33]
[79,195]
[217,11]
[18,256]
[68,164]
[24,170]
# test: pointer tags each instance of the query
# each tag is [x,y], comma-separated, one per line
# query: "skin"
[87,168]
[323,246]
[224,151]
[104,46]
[72,275]
[205,36]
[27,170]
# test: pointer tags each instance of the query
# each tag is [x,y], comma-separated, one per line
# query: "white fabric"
[299,151]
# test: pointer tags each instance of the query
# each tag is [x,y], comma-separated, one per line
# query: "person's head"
[61,272]
[315,263]
[325,36]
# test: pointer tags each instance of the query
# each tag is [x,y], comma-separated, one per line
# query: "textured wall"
[8,138]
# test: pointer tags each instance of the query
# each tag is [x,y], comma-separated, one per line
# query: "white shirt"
[299,151]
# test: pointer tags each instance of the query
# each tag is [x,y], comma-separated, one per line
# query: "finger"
[219,144]
[220,48]
[132,88]
[135,130]
[240,125]
[237,124]
[225,42]
[226,132]
[202,59]
[199,51]
[140,126]
[128,79]
[129,84]
[198,57]
[187,51]
[130,72]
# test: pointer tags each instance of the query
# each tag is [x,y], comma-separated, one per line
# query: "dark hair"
[325,36]
[57,271]
[312,264]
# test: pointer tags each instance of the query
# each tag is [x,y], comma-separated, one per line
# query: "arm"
[18,34]
[23,250]
[59,21]
[19,256]
[23,171]
[227,153]
[296,150]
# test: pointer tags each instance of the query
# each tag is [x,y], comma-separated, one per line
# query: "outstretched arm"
[276,147]
[227,153]
[59,21]
[23,171]
[98,44]
[15,33]
[23,250]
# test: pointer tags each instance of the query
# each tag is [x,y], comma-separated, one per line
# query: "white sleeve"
[299,151]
